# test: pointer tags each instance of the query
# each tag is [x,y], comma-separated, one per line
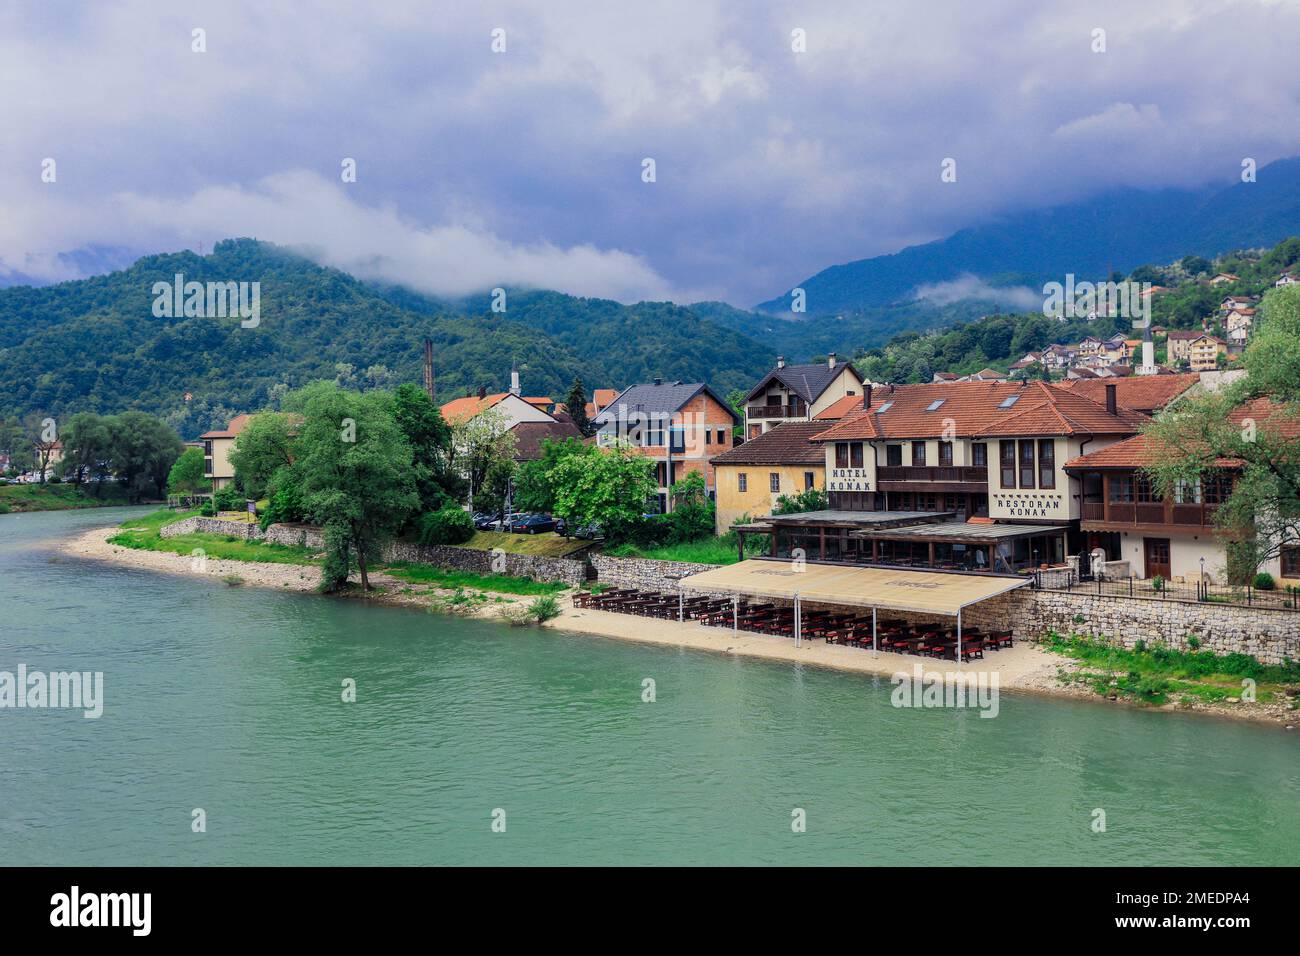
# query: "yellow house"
[217,446]
[781,461]
[1203,353]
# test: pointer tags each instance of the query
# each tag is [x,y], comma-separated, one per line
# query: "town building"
[512,406]
[600,400]
[1224,278]
[751,477]
[681,426]
[1178,345]
[796,393]
[1203,352]
[217,445]
[1289,278]
[960,476]
[1172,537]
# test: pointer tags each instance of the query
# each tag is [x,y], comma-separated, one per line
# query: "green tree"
[357,475]
[1252,422]
[534,485]
[576,406]
[484,448]
[605,486]
[692,517]
[263,448]
[810,499]
[430,439]
[142,451]
[88,449]
[186,476]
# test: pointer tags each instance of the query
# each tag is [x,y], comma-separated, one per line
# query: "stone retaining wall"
[644,573]
[572,571]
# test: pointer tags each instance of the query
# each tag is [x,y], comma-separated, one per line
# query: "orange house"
[678,425]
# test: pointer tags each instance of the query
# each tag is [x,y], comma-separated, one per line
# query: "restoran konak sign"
[1029,504]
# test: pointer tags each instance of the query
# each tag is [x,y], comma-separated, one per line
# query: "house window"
[774,481]
[809,480]
[855,455]
[1121,489]
[979,455]
[708,437]
[1046,463]
[1027,463]
[678,437]
[894,455]
[722,436]
[1187,492]
[918,453]
[1218,488]
[1008,464]
[927,503]
[945,453]
[742,482]
[1291,562]
[1143,490]
[841,454]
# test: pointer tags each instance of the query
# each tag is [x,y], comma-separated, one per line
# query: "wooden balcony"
[1148,514]
[947,474]
[777,411]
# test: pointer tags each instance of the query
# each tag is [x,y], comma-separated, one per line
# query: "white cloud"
[968,286]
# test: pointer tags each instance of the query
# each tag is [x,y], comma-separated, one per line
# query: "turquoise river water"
[229,700]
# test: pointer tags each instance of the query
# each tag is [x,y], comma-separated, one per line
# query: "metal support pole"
[681,598]
[735,613]
[798,622]
[875,647]
[959,637]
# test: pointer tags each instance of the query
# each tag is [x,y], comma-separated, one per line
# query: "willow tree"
[356,475]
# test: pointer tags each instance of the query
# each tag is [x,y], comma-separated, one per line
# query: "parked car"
[532,524]
[588,532]
[484,521]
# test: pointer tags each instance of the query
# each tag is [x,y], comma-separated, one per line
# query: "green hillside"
[95,345]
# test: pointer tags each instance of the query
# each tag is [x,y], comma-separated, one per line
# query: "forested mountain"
[1118,230]
[95,345]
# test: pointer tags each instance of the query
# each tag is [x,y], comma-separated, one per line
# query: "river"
[229,700]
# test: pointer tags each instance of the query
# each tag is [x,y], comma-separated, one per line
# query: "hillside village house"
[1172,538]
[797,393]
[960,476]
[1203,352]
[600,400]
[1223,278]
[512,406]
[680,426]
[1290,278]
[1178,344]
[217,445]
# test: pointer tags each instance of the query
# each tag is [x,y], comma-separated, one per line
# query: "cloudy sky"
[477,168]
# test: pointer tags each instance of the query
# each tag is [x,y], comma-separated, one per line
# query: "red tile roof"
[461,409]
[838,409]
[786,444]
[237,425]
[1142,393]
[972,409]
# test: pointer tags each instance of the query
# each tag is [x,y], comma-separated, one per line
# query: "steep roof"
[530,435]
[786,444]
[659,400]
[806,381]
[1142,393]
[463,409]
[970,409]
[838,409]
[237,425]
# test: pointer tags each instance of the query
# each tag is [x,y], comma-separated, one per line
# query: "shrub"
[449,525]
[1158,583]
[543,609]
[207,510]
[1194,642]
[229,498]
[1264,582]
[286,504]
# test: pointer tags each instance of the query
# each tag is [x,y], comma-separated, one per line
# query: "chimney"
[482,391]
[658,380]
[866,395]
[428,368]
[1110,398]
[830,360]
[780,361]
[514,382]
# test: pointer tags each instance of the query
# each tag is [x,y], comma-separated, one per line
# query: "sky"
[525,166]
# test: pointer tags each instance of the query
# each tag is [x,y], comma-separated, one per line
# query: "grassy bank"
[1156,675]
[548,544]
[706,551]
[61,497]
[144,534]
[454,580]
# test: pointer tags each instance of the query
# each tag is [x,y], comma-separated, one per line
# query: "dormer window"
[1009,401]
[934,406]
[884,408]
